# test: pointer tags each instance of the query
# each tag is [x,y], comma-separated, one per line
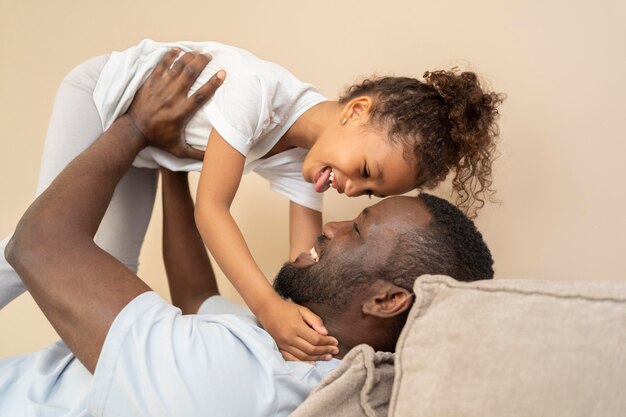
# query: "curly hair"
[446,122]
[450,245]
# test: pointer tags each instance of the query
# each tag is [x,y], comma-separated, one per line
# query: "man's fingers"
[193,153]
[194,67]
[166,62]
[182,62]
[204,93]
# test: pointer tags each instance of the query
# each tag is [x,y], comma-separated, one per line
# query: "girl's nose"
[352,189]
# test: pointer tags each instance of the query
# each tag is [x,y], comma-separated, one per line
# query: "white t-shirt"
[256,105]
[157,362]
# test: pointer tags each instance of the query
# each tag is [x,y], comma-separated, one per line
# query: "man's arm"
[78,286]
[189,272]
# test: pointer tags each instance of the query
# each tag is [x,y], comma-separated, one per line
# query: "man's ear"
[357,109]
[388,301]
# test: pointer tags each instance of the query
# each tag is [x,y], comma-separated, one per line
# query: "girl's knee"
[85,75]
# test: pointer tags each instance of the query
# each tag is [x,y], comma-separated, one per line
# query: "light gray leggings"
[74,125]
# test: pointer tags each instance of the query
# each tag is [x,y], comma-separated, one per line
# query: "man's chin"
[306,284]
[289,280]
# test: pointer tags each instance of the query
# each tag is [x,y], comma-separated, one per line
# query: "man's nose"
[331,229]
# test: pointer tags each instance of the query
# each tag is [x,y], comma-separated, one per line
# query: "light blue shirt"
[156,362]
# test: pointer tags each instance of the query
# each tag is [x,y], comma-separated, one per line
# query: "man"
[359,276]
[126,352]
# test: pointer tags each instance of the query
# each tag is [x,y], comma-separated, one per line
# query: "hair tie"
[428,76]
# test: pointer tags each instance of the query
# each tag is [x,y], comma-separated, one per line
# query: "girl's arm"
[189,272]
[288,323]
[305,225]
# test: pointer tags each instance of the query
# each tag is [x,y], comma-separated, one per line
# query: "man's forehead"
[402,208]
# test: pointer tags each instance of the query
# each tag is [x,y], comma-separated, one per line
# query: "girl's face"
[356,160]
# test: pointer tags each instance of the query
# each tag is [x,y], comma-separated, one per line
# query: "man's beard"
[298,283]
[318,283]
[325,282]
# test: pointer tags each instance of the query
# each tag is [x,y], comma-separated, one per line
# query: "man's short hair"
[449,245]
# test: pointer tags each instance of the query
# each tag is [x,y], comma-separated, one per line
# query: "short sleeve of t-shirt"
[284,172]
[157,362]
[238,111]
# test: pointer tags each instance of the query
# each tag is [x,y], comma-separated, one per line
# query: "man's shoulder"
[154,356]
[220,305]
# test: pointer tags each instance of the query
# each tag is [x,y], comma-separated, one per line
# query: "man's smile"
[314,254]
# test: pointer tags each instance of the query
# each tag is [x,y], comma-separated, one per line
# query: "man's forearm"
[52,248]
[189,272]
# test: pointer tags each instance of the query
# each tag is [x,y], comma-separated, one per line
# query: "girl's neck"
[310,125]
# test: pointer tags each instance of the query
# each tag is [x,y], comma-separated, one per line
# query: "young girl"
[385,136]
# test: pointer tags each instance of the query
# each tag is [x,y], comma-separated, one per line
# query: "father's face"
[348,247]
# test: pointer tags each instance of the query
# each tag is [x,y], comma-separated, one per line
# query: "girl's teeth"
[332,177]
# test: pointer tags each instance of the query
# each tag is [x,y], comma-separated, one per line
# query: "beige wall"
[562,64]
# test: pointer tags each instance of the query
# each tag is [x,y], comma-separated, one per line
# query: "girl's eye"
[366,171]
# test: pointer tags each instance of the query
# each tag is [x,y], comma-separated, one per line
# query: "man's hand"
[161,107]
[298,332]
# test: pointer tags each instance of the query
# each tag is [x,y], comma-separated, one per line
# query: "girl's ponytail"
[471,113]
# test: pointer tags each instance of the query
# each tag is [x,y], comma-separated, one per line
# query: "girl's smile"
[323,179]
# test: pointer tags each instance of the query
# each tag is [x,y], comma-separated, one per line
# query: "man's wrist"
[174,176]
[127,121]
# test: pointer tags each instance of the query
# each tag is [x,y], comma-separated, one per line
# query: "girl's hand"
[292,327]
[161,108]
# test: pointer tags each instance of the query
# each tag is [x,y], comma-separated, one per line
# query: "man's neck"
[351,327]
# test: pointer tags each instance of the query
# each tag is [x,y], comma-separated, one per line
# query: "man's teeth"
[313,253]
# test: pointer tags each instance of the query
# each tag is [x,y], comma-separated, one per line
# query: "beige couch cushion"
[360,386]
[512,348]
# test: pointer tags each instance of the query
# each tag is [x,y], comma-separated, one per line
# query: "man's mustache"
[322,240]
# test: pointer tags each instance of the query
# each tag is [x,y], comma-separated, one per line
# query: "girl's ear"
[357,109]
[388,301]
